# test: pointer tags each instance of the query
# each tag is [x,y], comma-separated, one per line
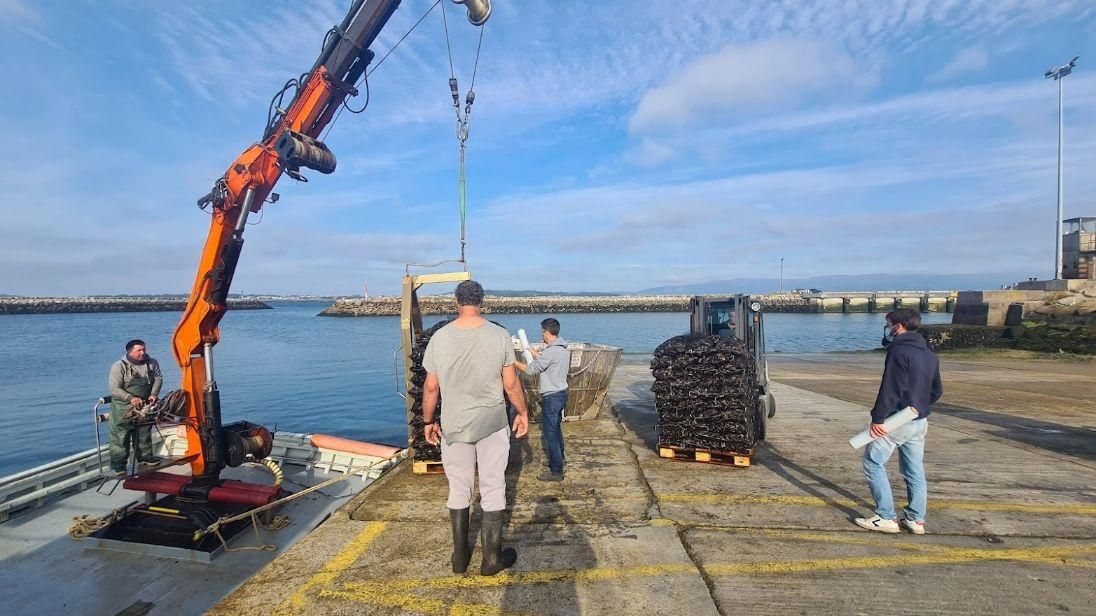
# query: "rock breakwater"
[443,304]
[62,305]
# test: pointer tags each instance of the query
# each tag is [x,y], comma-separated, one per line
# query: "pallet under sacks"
[706,397]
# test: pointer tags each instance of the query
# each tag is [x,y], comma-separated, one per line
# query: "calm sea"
[288,368]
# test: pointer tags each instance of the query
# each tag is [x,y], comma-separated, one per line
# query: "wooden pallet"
[427,467]
[707,456]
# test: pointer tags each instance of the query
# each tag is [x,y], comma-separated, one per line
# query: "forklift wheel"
[761,417]
[771,405]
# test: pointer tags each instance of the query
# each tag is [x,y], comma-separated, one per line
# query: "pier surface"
[1011,462]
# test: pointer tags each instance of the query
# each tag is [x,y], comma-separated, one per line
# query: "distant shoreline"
[74,305]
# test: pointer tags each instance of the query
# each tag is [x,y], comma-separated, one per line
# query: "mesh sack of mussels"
[423,450]
[705,393]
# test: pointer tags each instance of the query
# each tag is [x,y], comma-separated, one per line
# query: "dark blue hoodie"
[911,377]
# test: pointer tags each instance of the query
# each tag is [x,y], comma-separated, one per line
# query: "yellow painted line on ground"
[420,605]
[330,571]
[1080,509]
[896,543]
[1048,555]
[384,591]
[525,578]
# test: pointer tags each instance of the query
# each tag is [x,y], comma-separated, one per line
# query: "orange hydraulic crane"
[290,142]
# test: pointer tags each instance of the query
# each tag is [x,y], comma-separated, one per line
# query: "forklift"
[740,317]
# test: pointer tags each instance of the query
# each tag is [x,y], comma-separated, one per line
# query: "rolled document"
[900,418]
[525,346]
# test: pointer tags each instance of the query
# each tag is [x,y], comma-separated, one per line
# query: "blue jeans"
[910,442]
[551,430]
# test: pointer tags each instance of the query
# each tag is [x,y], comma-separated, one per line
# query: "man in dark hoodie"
[911,378]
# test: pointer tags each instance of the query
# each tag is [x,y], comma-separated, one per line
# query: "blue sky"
[614,145]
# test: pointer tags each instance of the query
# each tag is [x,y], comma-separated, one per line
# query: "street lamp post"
[781,274]
[1057,74]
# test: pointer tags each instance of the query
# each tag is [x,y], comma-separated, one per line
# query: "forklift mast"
[740,317]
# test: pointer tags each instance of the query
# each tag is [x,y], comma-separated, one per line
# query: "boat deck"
[1012,520]
[44,571]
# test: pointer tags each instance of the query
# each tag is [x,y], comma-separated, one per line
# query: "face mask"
[888,336]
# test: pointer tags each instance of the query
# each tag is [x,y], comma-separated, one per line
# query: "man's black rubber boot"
[495,558]
[462,552]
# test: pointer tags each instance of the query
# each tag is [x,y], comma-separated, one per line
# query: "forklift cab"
[740,317]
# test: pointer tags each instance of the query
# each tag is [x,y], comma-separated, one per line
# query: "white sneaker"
[878,524]
[917,528]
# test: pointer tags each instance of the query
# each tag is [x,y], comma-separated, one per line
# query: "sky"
[614,146]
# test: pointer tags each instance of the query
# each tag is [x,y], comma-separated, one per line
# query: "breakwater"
[549,305]
[63,305]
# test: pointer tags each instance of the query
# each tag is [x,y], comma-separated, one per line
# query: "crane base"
[144,530]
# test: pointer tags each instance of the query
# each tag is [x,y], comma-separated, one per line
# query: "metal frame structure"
[411,324]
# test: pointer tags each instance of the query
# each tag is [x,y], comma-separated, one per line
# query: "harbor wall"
[61,305]
[1029,320]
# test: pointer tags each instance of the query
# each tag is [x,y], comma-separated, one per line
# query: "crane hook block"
[478,10]
[297,150]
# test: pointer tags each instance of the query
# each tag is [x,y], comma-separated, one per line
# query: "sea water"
[290,369]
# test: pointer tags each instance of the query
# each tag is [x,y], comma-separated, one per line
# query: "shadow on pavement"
[1073,441]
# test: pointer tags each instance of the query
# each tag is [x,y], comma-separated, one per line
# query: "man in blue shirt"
[911,378]
[552,364]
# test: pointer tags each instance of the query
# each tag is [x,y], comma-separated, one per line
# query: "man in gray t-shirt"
[468,363]
[471,361]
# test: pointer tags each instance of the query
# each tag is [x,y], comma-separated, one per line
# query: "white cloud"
[17,10]
[969,60]
[964,107]
[744,78]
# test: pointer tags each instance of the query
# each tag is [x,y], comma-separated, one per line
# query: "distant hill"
[859,282]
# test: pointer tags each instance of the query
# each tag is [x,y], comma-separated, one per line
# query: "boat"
[48,571]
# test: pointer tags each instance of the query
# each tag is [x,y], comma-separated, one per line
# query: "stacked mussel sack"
[706,393]
[423,451]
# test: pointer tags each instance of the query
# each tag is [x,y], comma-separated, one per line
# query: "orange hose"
[338,443]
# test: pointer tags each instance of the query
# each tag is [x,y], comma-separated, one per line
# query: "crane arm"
[290,142]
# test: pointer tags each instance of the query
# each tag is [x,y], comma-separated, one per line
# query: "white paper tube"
[896,420]
[525,346]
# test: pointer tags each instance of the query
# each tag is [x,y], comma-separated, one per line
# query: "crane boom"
[289,142]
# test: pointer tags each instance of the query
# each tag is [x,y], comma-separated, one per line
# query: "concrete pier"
[1012,514]
[881,301]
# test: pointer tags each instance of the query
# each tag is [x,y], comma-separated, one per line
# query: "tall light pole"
[1057,73]
[781,274]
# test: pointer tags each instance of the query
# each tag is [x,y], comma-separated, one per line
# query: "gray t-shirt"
[468,364]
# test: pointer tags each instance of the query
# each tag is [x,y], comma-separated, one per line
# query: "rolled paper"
[525,346]
[896,420]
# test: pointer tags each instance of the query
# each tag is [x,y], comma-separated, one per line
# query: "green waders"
[122,428]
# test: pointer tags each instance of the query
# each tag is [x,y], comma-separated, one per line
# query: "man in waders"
[471,362]
[134,382]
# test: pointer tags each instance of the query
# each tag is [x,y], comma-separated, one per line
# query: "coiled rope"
[84,525]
